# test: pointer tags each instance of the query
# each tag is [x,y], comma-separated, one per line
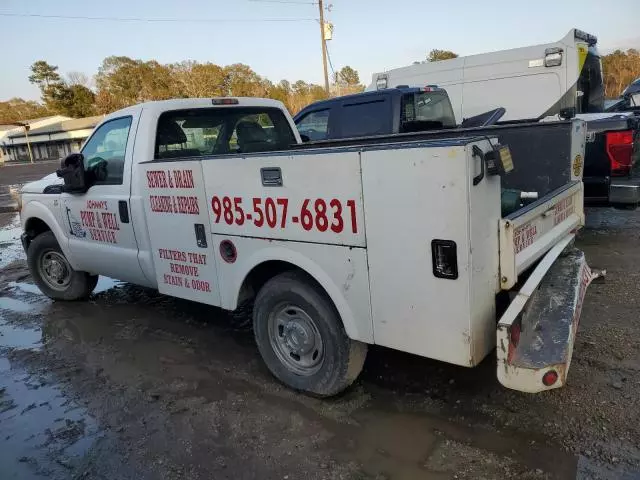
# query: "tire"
[323,368]
[74,286]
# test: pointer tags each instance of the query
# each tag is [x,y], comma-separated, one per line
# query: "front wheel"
[301,337]
[52,272]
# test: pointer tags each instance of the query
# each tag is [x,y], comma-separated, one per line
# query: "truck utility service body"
[400,244]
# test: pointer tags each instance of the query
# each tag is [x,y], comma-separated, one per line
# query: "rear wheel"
[52,272]
[301,337]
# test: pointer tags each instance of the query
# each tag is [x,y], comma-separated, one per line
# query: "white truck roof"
[160,106]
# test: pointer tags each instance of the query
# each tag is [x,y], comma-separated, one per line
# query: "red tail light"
[514,339]
[550,378]
[515,333]
[619,149]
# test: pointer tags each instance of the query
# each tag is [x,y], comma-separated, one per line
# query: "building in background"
[8,129]
[4,131]
[53,139]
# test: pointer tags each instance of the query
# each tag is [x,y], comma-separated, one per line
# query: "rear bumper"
[536,334]
[624,192]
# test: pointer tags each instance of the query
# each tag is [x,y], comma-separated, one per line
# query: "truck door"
[174,205]
[178,222]
[98,222]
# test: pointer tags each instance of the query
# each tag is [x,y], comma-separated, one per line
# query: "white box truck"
[529,82]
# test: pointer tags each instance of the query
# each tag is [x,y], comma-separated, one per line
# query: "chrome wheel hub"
[55,270]
[296,340]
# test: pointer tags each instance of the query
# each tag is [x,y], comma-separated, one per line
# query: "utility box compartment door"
[414,196]
[304,196]
[177,216]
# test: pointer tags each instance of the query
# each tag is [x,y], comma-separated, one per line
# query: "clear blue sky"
[369,35]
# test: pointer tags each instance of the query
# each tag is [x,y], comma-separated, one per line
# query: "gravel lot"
[132,384]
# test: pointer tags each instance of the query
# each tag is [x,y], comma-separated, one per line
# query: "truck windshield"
[215,131]
[425,110]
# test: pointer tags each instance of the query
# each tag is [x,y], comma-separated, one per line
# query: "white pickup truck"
[400,243]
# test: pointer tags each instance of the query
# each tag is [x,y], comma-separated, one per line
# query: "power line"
[330,63]
[157,20]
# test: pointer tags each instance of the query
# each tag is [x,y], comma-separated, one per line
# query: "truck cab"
[392,110]
[103,229]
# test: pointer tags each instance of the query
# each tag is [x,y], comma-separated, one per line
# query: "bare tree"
[79,78]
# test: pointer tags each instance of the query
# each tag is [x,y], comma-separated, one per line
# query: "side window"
[315,125]
[364,119]
[109,144]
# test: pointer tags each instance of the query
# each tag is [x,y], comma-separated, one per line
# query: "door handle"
[123,208]
[201,235]
[271,177]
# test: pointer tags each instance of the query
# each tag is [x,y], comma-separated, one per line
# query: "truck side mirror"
[72,172]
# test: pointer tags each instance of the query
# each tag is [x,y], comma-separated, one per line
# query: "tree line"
[620,69]
[123,81]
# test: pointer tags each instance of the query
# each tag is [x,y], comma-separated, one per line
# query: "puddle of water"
[10,246]
[418,446]
[15,305]
[40,427]
[25,287]
[106,283]
[17,337]
[395,443]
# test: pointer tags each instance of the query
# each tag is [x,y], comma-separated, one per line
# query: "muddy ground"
[132,384]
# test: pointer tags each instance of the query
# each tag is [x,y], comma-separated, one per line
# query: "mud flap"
[536,334]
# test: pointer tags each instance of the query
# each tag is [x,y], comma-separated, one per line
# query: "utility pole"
[324,48]
[26,136]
